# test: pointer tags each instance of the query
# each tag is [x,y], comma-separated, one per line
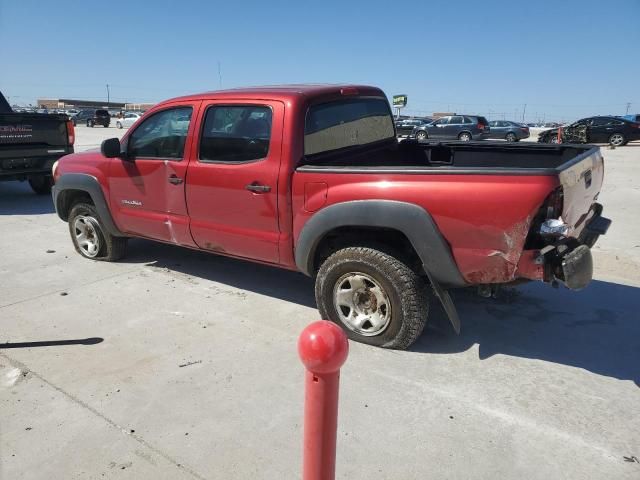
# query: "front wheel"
[421,136]
[89,236]
[464,137]
[617,140]
[373,296]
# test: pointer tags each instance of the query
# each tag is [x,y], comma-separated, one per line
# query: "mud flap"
[447,303]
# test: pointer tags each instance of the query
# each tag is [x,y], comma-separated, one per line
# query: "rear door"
[454,127]
[233,179]
[147,191]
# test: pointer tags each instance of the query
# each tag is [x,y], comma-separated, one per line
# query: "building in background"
[64,103]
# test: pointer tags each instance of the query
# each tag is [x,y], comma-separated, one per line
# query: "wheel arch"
[70,188]
[391,221]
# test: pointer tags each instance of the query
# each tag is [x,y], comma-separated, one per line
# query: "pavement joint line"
[24,300]
[180,465]
[516,420]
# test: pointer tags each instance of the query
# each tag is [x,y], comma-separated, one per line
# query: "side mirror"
[110,148]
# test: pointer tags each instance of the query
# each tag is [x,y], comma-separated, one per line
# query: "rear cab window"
[349,123]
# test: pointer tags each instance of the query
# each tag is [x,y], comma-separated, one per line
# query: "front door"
[232,185]
[147,189]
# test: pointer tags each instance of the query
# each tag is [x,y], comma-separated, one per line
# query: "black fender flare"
[410,219]
[90,185]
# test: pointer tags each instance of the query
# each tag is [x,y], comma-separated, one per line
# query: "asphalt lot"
[178,364]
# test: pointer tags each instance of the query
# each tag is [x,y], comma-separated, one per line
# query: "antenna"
[219,73]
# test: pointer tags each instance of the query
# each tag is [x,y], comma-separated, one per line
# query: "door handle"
[174,179]
[255,187]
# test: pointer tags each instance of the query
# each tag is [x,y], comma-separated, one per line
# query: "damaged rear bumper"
[567,260]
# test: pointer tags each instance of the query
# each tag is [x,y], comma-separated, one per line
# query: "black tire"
[118,125]
[90,123]
[109,247]
[406,291]
[41,184]
[617,140]
[511,137]
[465,137]
[422,135]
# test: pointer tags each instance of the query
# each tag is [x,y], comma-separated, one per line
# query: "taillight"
[71,133]
[481,126]
[555,203]
[635,125]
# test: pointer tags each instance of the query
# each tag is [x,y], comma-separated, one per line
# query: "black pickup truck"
[30,143]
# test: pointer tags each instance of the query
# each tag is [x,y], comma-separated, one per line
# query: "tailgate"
[32,130]
[581,181]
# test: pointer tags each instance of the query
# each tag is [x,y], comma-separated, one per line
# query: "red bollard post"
[323,348]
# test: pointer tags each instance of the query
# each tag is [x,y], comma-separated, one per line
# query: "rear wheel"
[90,238]
[465,137]
[118,124]
[421,136]
[553,139]
[617,140]
[511,137]
[90,123]
[373,296]
[41,184]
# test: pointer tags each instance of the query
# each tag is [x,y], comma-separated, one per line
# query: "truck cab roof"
[291,92]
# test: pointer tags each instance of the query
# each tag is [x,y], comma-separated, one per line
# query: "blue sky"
[564,59]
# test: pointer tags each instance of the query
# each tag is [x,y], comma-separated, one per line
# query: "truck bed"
[483,196]
[453,157]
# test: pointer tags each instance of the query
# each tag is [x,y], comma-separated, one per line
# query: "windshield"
[347,123]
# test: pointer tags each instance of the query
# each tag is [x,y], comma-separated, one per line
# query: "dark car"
[460,127]
[92,117]
[508,130]
[405,127]
[612,130]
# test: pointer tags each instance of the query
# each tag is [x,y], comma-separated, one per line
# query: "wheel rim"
[87,238]
[421,135]
[465,137]
[616,139]
[362,304]
[554,139]
[511,137]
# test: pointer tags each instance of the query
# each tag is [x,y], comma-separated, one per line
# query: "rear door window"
[455,120]
[347,123]
[236,133]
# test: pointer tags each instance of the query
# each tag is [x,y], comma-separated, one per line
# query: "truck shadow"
[17,198]
[596,329]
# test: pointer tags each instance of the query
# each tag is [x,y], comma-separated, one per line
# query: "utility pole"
[220,74]
[628,107]
[524,109]
[108,95]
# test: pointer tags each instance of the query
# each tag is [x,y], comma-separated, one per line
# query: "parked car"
[460,127]
[127,120]
[613,130]
[635,117]
[404,128]
[508,130]
[92,117]
[30,143]
[297,177]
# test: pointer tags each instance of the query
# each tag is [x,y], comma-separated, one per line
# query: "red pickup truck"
[312,178]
